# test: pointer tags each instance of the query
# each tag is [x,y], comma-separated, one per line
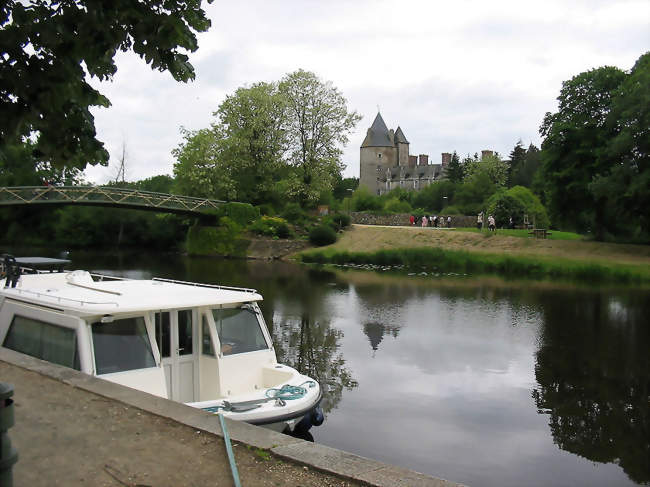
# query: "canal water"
[479,381]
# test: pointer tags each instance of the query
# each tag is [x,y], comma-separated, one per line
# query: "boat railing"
[212,286]
[60,299]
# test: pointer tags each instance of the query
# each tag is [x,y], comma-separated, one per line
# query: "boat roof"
[77,292]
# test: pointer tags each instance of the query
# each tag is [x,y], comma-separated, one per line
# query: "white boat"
[206,346]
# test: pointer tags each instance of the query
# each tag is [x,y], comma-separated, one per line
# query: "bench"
[540,232]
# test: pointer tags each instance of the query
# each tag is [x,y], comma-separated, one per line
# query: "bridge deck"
[107,196]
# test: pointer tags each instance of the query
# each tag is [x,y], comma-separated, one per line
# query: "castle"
[385,162]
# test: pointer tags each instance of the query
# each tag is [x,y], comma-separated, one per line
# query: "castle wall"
[374,161]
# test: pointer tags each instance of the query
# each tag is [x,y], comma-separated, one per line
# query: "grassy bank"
[476,253]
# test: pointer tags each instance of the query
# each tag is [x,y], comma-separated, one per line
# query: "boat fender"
[317,416]
[313,418]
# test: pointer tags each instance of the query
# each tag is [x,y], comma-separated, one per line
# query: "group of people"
[432,221]
[491,222]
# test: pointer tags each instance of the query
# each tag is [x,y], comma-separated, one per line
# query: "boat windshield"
[239,330]
[122,345]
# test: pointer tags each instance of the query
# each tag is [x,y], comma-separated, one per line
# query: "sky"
[461,75]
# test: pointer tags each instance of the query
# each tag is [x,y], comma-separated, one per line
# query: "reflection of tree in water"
[312,347]
[593,370]
[376,331]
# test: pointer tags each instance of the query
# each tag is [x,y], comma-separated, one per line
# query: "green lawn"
[555,234]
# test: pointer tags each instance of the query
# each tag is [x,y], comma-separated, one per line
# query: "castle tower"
[378,153]
[402,148]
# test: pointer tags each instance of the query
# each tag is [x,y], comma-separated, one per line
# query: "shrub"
[271,226]
[293,213]
[394,205]
[266,209]
[322,235]
[337,221]
[241,213]
[222,240]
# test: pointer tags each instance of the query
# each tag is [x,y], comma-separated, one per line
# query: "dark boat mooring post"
[8,454]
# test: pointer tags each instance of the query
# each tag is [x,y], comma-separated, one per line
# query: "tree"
[517,161]
[455,170]
[252,126]
[574,150]
[19,167]
[49,49]
[318,123]
[596,154]
[198,170]
[492,166]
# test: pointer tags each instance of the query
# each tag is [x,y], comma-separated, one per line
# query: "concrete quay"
[74,429]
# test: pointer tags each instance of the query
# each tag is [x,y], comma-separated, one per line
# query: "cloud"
[462,76]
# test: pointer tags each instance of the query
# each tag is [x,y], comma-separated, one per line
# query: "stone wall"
[402,219]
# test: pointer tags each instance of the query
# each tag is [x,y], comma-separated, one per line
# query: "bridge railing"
[104,195]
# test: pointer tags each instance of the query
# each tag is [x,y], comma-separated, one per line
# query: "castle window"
[379,155]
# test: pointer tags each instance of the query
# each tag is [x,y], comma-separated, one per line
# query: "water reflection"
[593,370]
[312,347]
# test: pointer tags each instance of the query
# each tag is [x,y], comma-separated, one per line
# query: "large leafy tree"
[50,48]
[318,124]
[575,151]
[252,124]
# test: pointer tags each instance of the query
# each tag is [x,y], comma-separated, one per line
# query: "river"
[480,381]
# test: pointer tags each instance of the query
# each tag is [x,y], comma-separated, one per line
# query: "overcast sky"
[459,75]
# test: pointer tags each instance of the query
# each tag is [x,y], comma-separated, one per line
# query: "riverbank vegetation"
[475,252]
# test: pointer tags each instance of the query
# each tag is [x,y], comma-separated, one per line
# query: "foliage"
[362,200]
[51,49]
[344,186]
[433,196]
[473,193]
[435,259]
[338,221]
[491,166]
[595,154]
[253,140]
[515,202]
[517,158]
[224,239]
[271,226]
[294,213]
[155,184]
[455,171]
[198,170]
[317,124]
[322,235]
[394,205]
[19,167]
[525,167]
[240,213]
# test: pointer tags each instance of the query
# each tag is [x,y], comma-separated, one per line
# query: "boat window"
[185,332]
[239,330]
[43,340]
[122,345]
[163,333]
[206,340]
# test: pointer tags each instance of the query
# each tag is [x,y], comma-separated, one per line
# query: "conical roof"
[399,136]
[378,135]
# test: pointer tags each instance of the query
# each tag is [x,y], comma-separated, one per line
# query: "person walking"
[448,221]
[479,221]
[491,223]
[424,221]
[412,220]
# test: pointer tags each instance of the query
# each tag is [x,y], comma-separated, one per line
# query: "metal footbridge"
[106,196]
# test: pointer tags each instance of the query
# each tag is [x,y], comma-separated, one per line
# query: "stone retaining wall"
[402,219]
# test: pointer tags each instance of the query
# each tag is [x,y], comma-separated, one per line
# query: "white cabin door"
[175,333]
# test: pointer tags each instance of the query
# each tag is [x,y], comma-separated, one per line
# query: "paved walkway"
[73,430]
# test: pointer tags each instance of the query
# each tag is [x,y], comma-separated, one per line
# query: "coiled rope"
[288,392]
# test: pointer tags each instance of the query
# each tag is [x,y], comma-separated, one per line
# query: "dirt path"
[369,238]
